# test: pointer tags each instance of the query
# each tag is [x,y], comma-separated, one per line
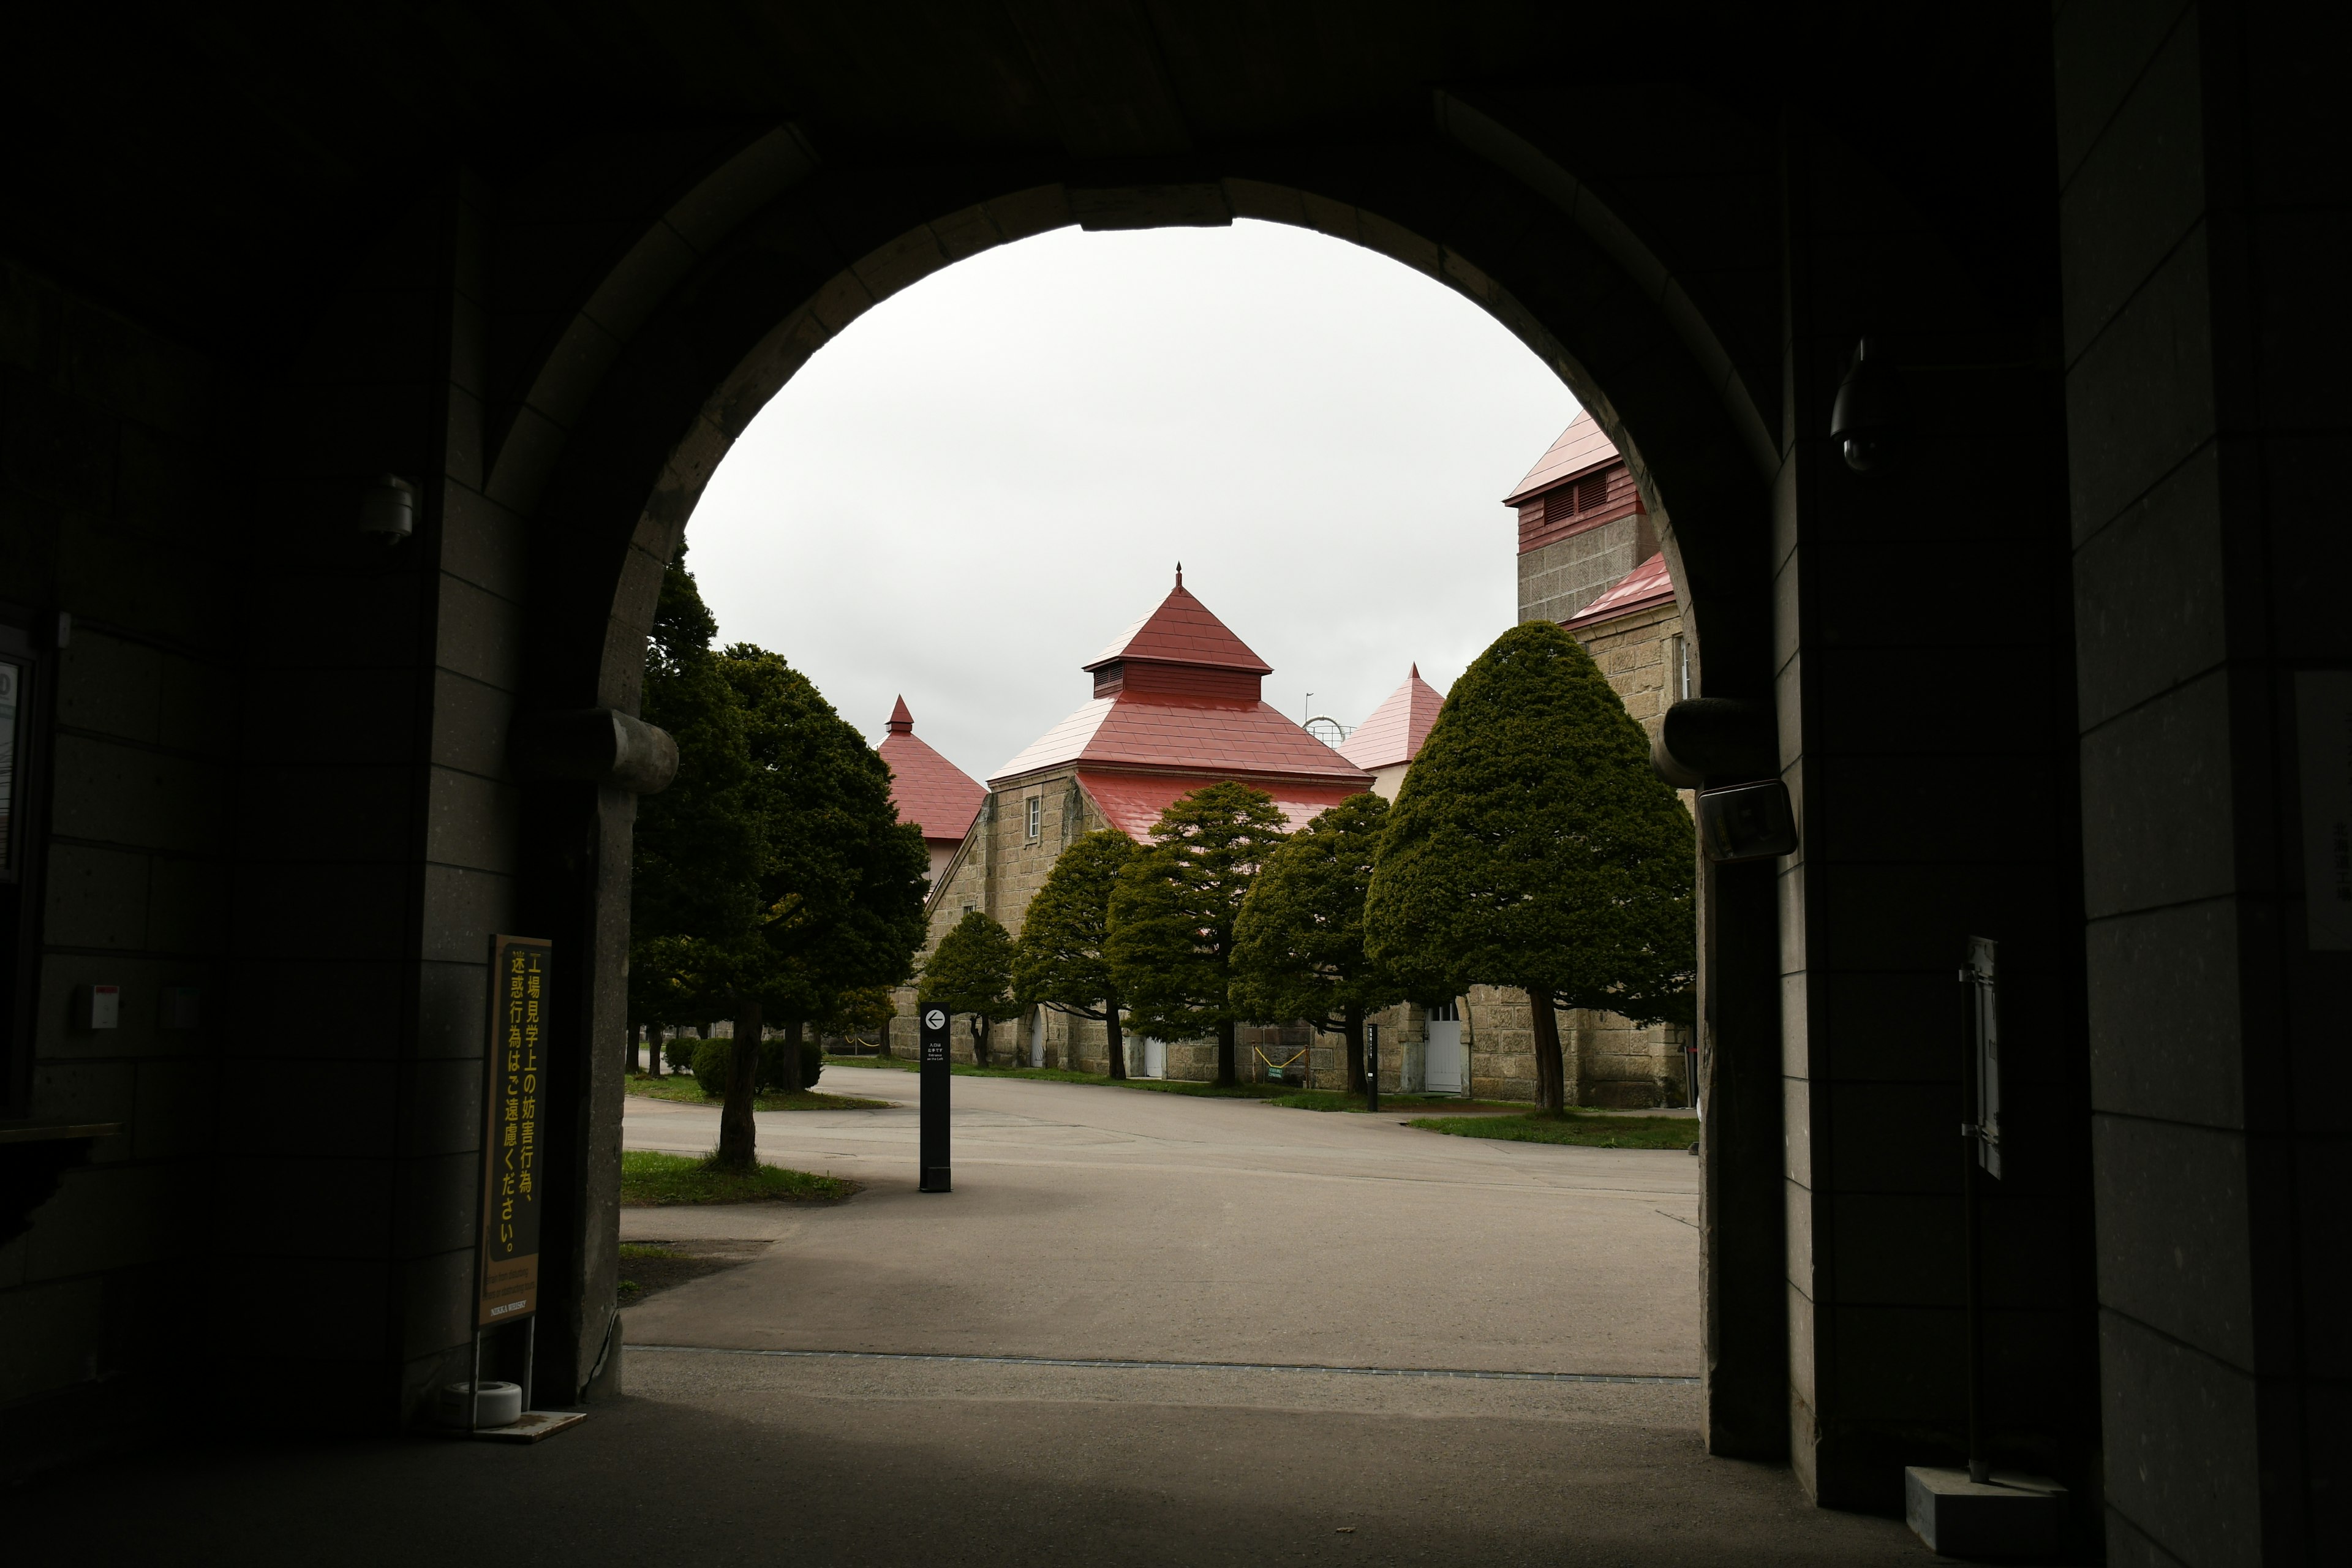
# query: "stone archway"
[721,331]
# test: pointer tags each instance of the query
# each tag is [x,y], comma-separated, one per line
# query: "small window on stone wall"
[1037,823]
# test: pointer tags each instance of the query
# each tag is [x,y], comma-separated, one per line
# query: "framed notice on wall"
[513,1172]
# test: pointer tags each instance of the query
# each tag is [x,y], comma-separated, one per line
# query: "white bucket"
[501,1405]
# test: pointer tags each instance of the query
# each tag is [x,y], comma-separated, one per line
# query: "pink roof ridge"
[1181,631]
[1395,729]
[929,791]
[1581,446]
[1645,586]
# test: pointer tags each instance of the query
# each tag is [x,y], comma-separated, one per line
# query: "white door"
[1037,1039]
[1155,1057]
[1445,1063]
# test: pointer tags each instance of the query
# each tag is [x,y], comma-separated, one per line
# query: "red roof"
[1219,731]
[1181,631]
[1132,802]
[1645,587]
[929,791]
[1397,726]
[1581,446]
[1185,733]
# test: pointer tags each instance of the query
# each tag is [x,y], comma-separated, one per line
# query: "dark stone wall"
[2206,204]
[112,510]
[1924,652]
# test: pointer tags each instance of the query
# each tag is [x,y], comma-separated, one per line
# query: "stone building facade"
[1175,707]
[1582,523]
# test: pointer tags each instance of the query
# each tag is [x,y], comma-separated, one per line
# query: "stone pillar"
[2205,211]
[1924,654]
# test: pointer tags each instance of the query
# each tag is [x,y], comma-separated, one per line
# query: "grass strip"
[1332,1100]
[686,1091]
[1568,1127]
[1272,1093]
[650,1177]
[1065,1075]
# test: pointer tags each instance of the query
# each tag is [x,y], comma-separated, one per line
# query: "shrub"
[711,1059]
[771,1064]
[710,1066]
[679,1052]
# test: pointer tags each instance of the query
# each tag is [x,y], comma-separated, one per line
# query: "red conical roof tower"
[929,791]
[1176,707]
[1394,732]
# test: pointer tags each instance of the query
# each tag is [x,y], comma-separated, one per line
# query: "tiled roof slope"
[1181,631]
[1231,739]
[1397,727]
[1132,802]
[929,791]
[1643,587]
[1580,446]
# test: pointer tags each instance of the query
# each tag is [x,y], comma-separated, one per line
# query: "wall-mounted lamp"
[1867,419]
[1729,750]
[388,508]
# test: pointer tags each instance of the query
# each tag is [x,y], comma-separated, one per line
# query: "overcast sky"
[991,474]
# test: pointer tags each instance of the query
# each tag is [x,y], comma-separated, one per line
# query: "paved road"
[1086,1223]
[1103,1222]
[1116,1225]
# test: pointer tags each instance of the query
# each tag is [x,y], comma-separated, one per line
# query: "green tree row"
[1530,846]
[773,882]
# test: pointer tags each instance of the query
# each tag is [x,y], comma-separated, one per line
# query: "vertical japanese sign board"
[512,1171]
[931,1069]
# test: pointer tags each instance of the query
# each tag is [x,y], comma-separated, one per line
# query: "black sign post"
[932,1069]
[1980,1136]
[1371,1067]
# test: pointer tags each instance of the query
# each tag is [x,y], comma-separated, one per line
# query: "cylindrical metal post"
[1980,1468]
[1371,1067]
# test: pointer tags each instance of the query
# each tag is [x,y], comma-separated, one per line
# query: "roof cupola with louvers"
[1582,523]
[1179,650]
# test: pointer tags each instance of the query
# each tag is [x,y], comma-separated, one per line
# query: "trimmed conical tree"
[841,877]
[1299,942]
[1059,962]
[1171,915]
[1531,845]
[971,972]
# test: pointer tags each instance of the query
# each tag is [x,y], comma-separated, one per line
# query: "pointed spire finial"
[1417,671]
[1179,574]
[902,722]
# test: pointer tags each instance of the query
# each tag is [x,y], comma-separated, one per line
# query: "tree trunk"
[791,1084]
[1117,1040]
[1548,1077]
[656,1042]
[979,1041]
[1227,1052]
[737,1137]
[1353,1033]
